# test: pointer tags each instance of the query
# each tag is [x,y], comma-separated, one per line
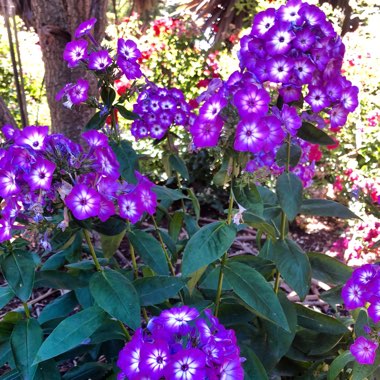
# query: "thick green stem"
[125,331]
[224,258]
[92,250]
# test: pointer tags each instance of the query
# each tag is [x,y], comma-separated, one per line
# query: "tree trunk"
[55,23]
[5,115]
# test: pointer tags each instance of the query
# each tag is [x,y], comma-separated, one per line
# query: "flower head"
[364,350]
[85,28]
[99,60]
[75,51]
[83,202]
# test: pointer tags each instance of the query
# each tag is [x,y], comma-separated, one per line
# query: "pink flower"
[364,350]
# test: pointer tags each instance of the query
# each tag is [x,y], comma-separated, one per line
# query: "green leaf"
[338,365]
[71,332]
[207,245]
[111,227]
[127,158]
[360,321]
[263,266]
[253,368]
[175,225]
[59,280]
[310,133]
[18,270]
[58,308]
[110,244]
[211,281]
[256,292]
[166,194]
[108,96]
[324,207]
[259,223]
[91,370]
[6,295]
[249,197]
[282,153]
[47,371]
[114,293]
[319,322]
[328,270]
[129,115]
[26,339]
[96,122]
[195,202]
[292,263]
[289,192]
[178,164]
[157,289]
[150,250]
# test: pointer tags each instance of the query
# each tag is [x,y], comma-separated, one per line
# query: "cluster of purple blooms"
[363,290]
[181,345]
[38,171]
[291,55]
[159,109]
[94,57]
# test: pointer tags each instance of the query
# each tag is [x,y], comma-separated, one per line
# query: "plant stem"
[125,331]
[132,253]
[163,246]
[26,309]
[224,258]
[92,250]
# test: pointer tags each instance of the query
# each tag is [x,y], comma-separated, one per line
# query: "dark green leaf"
[127,158]
[150,251]
[175,225]
[268,196]
[211,281]
[71,332]
[179,165]
[282,155]
[96,122]
[207,245]
[26,339]
[59,280]
[109,330]
[310,133]
[249,197]
[129,115]
[328,270]
[60,307]
[108,96]
[361,321]
[292,263]
[324,207]
[6,295]
[338,364]
[256,292]
[289,192]
[264,266]
[114,293]
[47,371]
[166,194]
[333,296]
[18,270]
[93,371]
[6,355]
[259,223]
[113,226]
[110,244]
[195,202]
[157,289]
[253,368]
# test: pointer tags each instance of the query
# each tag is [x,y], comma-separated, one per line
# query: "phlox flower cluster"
[38,171]
[361,290]
[87,52]
[159,109]
[180,344]
[292,56]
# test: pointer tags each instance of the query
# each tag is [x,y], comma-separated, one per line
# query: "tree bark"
[5,115]
[55,23]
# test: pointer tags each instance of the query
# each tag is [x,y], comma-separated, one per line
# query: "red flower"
[315,154]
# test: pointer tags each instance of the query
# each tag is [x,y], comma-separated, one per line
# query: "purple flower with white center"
[128,49]
[8,185]
[275,136]
[130,356]
[365,274]
[176,319]
[180,117]
[334,90]
[130,207]
[250,135]
[106,209]
[109,165]
[154,103]
[317,98]
[289,12]
[165,118]
[312,14]
[139,129]
[10,132]
[320,58]
[290,93]
[304,39]
[157,131]
[85,28]
[231,370]
[374,309]
[74,52]
[130,69]
[107,187]
[187,365]
[99,60]
[83,202]
[78,93]
[168,103]
[33,136]
[280,68]
[154,358]
[349,98]
[148,199]
[291,119]
[206,133]
[364,350]
[263,21]
[212,107]
[95,138]
[279,38]
[261,70]
[251,100]
[21,158]
[304,69]
[41,174]
[5,230]
[353,295]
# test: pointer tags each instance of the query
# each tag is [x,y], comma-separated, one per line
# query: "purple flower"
[79,92]
[129,356]
[289,12]
[128,49]
[291,119]
[106,209]
[130,69]
[10,132]
[99,60]
[374,309]
[176,319]
[74,52]
[317,98]
[251,100]
[84,28]
[8,185]
[148,199]
[263,21]
[33,136]
[95,138]
[334,89]
[338,116]
[154,359]
[83,202]
[187,365]
[41,174]
[353,295]
[304,69]
[250,135]
[275,135]
[304,39]
[279,69]
[231,369]
[157,131]
[130,207]
[212,107]
[206,133]
[312,14]
[365,274]
[349,98]
[5,230]
[364,350]
[106,159]
[290,93]
[279,38]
